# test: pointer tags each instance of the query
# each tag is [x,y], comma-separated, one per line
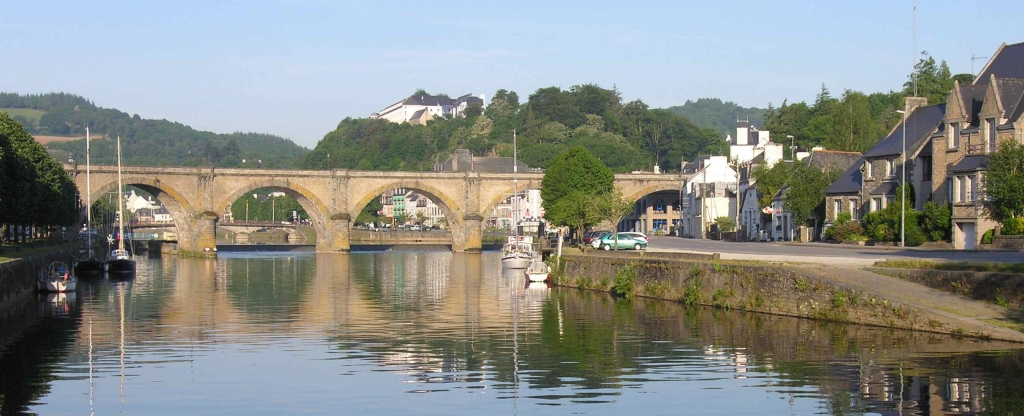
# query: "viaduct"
[197,196]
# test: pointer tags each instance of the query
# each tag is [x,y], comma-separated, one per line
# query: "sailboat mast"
[515,187]
[88,196]
[120,202]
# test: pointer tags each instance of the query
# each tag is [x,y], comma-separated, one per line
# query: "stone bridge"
[197,196]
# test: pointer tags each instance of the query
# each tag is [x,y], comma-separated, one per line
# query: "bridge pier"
[200,234]
[472,237]
[338,241]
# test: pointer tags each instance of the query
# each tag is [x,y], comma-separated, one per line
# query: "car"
[634,235]
[590,236]
[607,241]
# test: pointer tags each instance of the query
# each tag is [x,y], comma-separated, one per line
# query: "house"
[752,224]
[654,213]
[978,118]
[711,192]
[464,161]
[162,215]
[782,227]
[420,108]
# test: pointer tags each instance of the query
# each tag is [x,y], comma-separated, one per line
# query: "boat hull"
[90,266]
[516,262]
[119,266]
[537,277]
[57,285]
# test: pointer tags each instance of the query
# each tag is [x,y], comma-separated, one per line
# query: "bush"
[915,235]
[625,281]
[1013,226]
[842,218]
[988,236]
[726,224]
[936,221]
[847,231]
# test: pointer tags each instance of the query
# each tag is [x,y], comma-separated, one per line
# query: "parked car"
[607,241]
[590,236]
[635,235]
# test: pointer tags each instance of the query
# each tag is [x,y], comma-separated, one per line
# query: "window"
[659,207]
[876,204]
[660,224]
[854,214]
[837,207]
[890,167]
[991,130]
[867,169]
[972,185]
[954,135]
[926,168]
[957,190]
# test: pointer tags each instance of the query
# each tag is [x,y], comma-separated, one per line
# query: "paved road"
[822,253]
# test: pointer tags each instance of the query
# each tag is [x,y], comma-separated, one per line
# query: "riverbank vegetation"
[952,266]
[36,194]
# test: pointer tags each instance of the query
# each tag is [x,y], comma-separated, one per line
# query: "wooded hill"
[625,136]
[717,115]
[145,142]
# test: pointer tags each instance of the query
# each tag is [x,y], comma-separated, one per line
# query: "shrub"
[936,221]
[846,231]
[625,282]
[842,218]
[988,236]
[1013,226]
[726,224]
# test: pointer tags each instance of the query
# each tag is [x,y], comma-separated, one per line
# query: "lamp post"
[792,147]
[903,193]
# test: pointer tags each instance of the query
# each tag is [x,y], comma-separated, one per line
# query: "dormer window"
[867,169]
[990,130]
[954,135]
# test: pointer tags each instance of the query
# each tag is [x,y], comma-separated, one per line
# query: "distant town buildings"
[420,108]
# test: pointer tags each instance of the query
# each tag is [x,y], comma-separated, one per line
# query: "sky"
[297,68]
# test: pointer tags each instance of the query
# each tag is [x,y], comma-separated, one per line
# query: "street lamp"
[792,147]
[903,184]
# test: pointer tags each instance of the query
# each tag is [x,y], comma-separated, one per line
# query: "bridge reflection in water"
[288,331]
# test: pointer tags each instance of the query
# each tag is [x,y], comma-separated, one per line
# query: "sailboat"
[88,265]
[120,261]
[517,253]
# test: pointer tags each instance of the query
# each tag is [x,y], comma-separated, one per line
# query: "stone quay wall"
[757,287]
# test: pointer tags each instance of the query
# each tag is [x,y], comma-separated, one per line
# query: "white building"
[710,193]
[418,109]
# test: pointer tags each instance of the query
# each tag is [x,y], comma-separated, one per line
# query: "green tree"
[805,197]
[613,207]
[933,80]
[370,213]
[573,178]
[1004,181]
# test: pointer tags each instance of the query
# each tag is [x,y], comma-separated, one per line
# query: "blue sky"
[296,68]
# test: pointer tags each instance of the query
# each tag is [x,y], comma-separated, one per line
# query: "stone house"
[782,227]
[871,182]
[978,118]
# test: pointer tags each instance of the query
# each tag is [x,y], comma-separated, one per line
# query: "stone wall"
[1009,242]
[18,277]
[765,288]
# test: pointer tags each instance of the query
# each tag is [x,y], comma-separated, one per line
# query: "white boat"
[538,270]
[56,277]
[517,253]
[119,260]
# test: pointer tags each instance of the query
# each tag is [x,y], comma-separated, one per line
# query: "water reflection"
[287,332]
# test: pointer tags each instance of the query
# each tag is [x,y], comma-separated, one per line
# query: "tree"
[571,182]
[1004,181]
[933,81]
[805,197]
[612,207]
[771,180]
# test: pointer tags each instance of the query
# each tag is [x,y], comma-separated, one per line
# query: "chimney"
[913,102]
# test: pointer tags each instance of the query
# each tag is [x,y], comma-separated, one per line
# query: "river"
[442,333]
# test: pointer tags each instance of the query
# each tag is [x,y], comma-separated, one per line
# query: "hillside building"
[420,108]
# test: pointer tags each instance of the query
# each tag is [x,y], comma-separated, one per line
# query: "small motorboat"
[538,270]
[57,277]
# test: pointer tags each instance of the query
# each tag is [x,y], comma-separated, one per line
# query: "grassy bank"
[952,266]
[12,252]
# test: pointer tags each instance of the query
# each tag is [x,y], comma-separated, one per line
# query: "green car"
[607,241]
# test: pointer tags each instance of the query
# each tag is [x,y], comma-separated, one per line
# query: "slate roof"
[1011,94]
[428,100]
[973,97]
[971,163]
[1008,63]
[921,123]
[849,182]
[468,99]
[832,159]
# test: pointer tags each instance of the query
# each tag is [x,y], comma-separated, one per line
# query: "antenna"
[913,60]
[975,58]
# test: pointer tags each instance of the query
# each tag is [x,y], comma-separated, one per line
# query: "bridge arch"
[314,206]
[177,205]
[491,201]
[451,209]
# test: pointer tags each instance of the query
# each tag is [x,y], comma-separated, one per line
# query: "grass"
[40,247]
[31,115]
[952,266]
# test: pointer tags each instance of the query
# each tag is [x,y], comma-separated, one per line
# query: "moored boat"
[120,261]
[56,277]
[538,270]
